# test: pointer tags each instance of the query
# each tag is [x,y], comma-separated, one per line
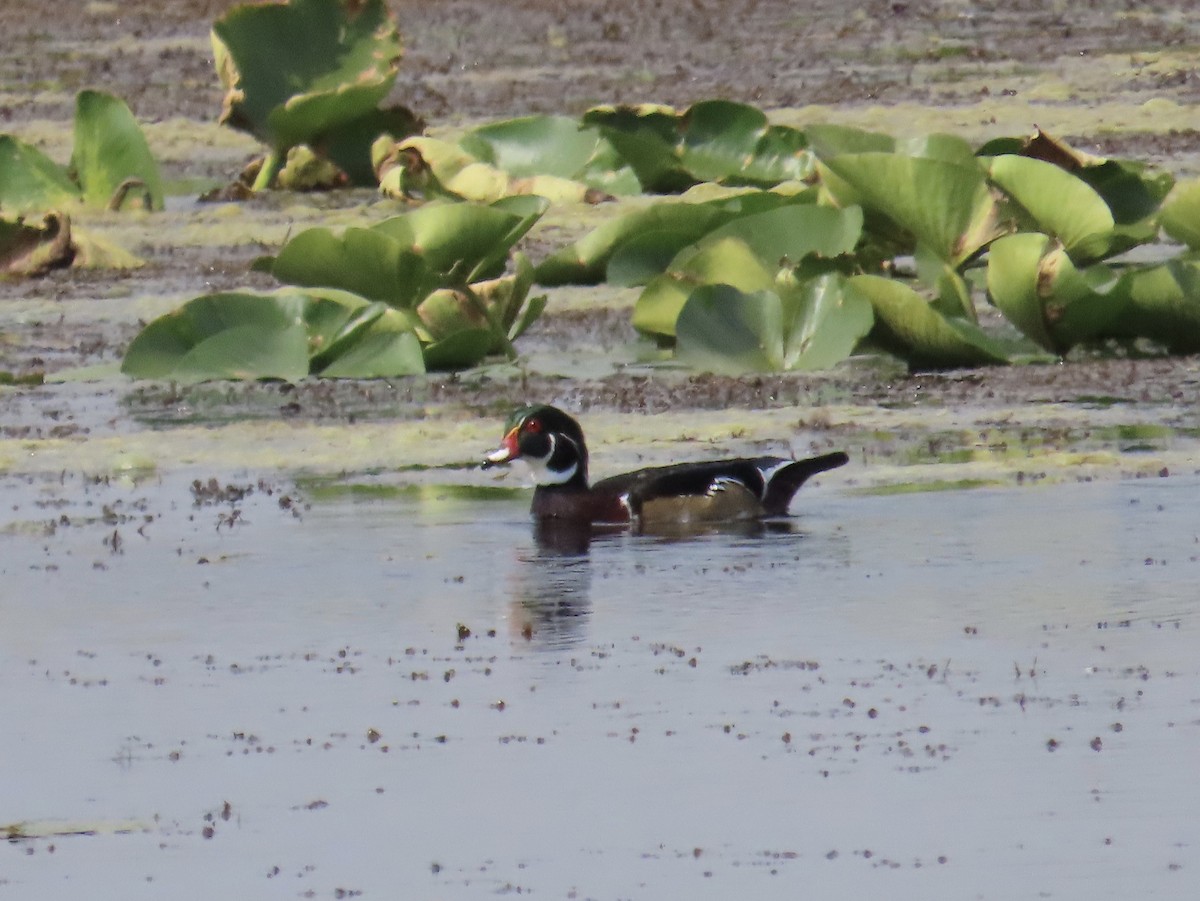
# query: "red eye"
[533,426]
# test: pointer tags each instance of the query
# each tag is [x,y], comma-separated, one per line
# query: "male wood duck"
[551,444]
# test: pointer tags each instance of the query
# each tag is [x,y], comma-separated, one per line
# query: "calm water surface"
[972,694]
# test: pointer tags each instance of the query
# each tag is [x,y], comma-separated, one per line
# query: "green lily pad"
[587,260]
[1058,204]
[825,322]
[908,326]
[1162,303]
[722,329]
[286,335]
[786,235]
[30,180]
[714,140]
[727,262]
[1180,215]
[537,145]
[944,206]
[828,141]
[377,342]
[299,70]
[1034,283]
[363,260]
[111,151]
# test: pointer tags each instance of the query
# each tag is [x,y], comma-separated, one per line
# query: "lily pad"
[722,329]
[286,335]
[587,260]
[714,140]
[729,261]
[552,145]
[1058,204]
[110,164]
[1034,283]
[111,152]
[297,71]
[944,206]
[908,326]
[30,180]
[1162,303]
[1181,213]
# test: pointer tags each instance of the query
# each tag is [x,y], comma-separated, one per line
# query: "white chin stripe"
[543,474]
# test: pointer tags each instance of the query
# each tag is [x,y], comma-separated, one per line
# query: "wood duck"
[551,443]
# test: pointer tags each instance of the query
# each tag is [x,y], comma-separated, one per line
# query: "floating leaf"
[285,335]
[378,342]
[714,140]
[1162,303]
[906,325]
[1033,282]
[224,336]
[110,151]
[1181,213]
[722,329]
[945,206]
[1058,203]
[586,261]
[295,72]
[728,262]
[786,235]
[828,141]
[824,323]
[551,145]
[30,180]
[366,261]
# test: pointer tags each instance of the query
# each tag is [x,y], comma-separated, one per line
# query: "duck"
[551,443]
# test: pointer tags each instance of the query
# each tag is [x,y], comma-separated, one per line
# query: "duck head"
[549,442]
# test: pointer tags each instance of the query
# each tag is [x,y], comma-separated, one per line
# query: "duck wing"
[769,481]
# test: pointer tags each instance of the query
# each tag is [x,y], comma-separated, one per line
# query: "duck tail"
[786,481]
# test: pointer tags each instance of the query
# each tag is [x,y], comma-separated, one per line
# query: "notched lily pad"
[287,335]
[300,72]
[813,326]
[714,140]
[111,164]
[909,327]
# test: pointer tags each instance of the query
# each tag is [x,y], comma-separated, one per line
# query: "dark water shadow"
[550,589]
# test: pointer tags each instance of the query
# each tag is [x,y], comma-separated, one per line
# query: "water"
[963,694]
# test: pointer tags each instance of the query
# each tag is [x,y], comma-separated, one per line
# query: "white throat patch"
[540,466]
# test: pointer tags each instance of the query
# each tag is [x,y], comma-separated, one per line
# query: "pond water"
[403,693]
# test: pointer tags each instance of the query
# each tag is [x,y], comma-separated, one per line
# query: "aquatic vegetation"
[930,222]
[424,290]
[552,156]
[34,248]
[111,164]
[311,72]
[714,140]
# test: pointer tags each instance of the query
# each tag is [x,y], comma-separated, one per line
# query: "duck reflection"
[552,584]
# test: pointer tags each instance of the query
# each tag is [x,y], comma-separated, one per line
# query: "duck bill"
[505,453]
